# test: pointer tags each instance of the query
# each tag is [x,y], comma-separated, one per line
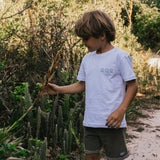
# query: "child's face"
[93,44]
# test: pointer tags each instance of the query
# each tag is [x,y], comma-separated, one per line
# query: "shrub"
[145,24]
[146,27]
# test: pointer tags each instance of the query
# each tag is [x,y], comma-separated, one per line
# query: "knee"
[95,156]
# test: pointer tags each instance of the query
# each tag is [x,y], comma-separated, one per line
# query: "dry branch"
[17,12]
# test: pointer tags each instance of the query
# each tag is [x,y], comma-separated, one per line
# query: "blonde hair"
[94,24]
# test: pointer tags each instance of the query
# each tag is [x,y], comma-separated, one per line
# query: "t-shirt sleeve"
[81,74]
[126,68]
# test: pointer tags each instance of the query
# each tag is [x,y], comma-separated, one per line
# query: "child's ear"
[103,36]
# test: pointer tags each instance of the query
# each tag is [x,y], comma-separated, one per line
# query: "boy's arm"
[52,89]
[116,117]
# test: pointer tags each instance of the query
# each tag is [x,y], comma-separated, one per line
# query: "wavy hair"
[94,24]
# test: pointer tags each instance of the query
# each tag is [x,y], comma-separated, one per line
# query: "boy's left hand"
[115,118]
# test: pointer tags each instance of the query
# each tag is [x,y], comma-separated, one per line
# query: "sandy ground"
[143,140]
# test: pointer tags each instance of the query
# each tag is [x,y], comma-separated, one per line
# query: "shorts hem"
[91,152]
[118,158]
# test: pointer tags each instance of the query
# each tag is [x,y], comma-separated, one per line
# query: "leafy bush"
[11,146]
[145,24]
[152,3]
[146,27]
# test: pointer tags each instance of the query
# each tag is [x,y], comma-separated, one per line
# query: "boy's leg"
[114,143]
[94,156]
[92,144]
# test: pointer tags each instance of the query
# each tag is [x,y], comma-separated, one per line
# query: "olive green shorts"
[112,141]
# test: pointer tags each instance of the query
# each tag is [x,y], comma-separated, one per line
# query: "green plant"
[63,156]
[153,3]
[43,150]
[134,110]
[10,146]
[38,149]
[145,22]
[149,19]
[18,92]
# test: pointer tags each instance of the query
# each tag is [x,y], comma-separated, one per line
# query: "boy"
[104,73]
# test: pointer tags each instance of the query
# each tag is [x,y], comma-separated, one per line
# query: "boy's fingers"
[112,123]
[109,122]
[115,125]
[45,92]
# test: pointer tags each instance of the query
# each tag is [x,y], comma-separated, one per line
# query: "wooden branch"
[130,13]
[17,12]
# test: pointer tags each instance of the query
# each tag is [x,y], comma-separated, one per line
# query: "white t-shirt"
[105,77]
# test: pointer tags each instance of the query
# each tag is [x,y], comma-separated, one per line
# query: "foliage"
[135,109]
[11,146]
[153,3]
[29,42]
[145,22]
[150,20]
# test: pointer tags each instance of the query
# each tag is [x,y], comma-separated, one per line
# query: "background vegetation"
[31,34]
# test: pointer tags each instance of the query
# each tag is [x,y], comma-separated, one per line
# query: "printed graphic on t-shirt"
[107,71]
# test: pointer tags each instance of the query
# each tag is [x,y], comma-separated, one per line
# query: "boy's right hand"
[50,89]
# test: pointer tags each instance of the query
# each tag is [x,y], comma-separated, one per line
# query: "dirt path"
[144,136]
